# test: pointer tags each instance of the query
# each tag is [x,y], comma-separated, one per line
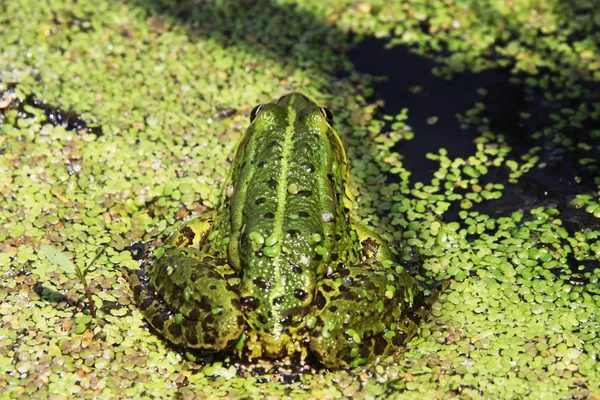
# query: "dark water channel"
[555,183]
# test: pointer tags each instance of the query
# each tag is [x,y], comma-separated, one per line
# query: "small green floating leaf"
[240,343]
[80,329]
[272,251]
[59,259]
[177,318]
[354,335]
[359,362]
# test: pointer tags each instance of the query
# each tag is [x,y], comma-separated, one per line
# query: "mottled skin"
[281,264]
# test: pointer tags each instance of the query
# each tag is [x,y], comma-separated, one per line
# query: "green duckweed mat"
[167,86]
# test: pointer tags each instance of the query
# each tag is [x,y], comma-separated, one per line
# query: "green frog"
[281,268]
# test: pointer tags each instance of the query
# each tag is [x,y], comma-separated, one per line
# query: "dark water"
[553,184]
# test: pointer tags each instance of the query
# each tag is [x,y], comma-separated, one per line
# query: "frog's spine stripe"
[282,199]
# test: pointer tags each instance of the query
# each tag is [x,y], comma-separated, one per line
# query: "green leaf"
[59,259]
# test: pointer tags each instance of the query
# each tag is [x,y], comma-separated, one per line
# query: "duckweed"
[171,90]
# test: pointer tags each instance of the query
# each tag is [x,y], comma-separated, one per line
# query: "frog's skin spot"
[218,262]
[318,328]
[175,330]
[240,321]
[269,215]
[272,144]
[300,294]
[205,303]
[347,295]
[146,303]
[304,193]
[293,233]
[159,321]
[262,164]
[342,270]
[278,300]
[320,301]
[296,268]
[260,282]
[272,183]
[190,337]
[333,309]
[229,276]
[260,200]
[370,247]
[303,214]
[335,257]
[250,303]
[262,319]
[186,234]
[208,339]
[326,288]
[194,314]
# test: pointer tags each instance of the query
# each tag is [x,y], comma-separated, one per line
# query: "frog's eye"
[255,112]
[328,115]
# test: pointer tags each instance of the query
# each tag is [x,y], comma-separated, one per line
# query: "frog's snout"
[295,99]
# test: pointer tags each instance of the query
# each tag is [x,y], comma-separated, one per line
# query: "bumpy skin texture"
[281,264]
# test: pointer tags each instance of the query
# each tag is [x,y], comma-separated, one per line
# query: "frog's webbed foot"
[190,300]
[365,312]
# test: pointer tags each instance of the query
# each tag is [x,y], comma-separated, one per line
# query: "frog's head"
[298,112]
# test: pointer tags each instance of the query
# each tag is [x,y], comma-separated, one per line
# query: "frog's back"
[293,205]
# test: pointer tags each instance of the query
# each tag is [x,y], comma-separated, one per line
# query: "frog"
[281,269]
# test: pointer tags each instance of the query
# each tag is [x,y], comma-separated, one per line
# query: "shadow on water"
[294,36]
[286,33]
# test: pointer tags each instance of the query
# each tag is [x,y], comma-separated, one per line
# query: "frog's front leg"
[365,312]
[373,246]
[193,232]
[190,298]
